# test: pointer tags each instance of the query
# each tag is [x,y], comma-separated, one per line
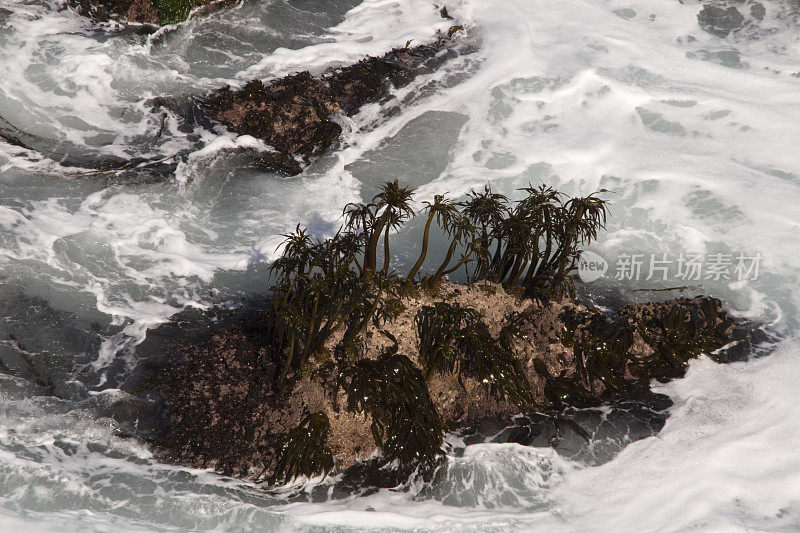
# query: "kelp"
[303,451]
[680,333]
[600,348]
[322,286]
[454,339]
[676,333]
[405,422]
[562,391]
[534,243]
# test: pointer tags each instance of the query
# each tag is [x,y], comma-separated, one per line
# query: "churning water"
[694,136]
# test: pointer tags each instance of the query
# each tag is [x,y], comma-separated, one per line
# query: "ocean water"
[692,134]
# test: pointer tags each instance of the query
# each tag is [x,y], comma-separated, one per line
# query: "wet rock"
[726,58]
[758,11]
[296,114]
[227,412]
[292,114]
[720,21]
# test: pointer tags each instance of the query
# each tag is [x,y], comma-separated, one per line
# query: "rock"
[226,413]
[292,114]
[720,21]
[758,11]
[296,114]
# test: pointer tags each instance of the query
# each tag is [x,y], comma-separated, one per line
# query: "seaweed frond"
[455,339]
[405,422]
[600,346]
[304,450]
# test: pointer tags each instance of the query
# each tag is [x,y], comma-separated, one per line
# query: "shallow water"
[693,135]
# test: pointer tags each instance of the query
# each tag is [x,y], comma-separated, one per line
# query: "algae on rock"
[356,365]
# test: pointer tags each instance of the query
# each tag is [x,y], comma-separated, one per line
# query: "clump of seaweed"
[562,391]
[405,422]
[303,451]
[324,285]
[534,243]
[679,333]
[600,346]
[455,339]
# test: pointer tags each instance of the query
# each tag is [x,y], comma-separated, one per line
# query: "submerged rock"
[720,21]
[226,411]
[296,114]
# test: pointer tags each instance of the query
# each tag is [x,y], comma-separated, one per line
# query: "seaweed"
[405,422]
[303,450]
[317,292]
[562,391]
[679,333]
[600,346]
[454,339]
[534,243]
[322,286]
[172,11]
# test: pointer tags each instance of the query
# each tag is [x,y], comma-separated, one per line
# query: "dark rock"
[291,114]
[719,21]
[140,11]
[295,114]
[758,11]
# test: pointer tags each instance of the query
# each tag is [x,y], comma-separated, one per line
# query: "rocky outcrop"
[227,413]
[353,369]
[747,19]
[296,114]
